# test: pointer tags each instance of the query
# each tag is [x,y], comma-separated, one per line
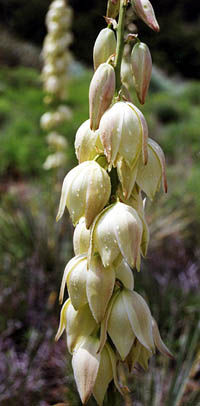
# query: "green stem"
[120,44]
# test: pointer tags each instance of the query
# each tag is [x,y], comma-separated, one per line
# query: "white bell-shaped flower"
[85,191]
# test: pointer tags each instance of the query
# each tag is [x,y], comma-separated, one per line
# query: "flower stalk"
[108,325]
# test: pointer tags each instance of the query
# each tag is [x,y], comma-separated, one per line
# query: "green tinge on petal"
[127,177]
[104,323]
[104,377]
[159,342]
[144,356]
[139,317]
[149,176]
[85,363]
[80,324]
[114,368]
[99,287]
[63,320]
[133,355]
[125,275]
[119,322]
[160,154]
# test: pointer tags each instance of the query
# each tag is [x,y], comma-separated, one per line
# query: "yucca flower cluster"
[105,319]
[57,57]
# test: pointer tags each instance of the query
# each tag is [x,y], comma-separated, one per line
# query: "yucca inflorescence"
[57,57]
[105,319]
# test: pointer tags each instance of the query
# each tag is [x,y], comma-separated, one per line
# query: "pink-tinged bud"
[141,67]
[104,47]
[117,234]
[145,11]
[85,191]
[124,133]
[101,92]
[87,143]
[149,177]
[113,8]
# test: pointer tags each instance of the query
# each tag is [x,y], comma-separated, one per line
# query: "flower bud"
[99,279]
[104,47]
[87,143]
[130,313]
[145,11]
[141,67]
[149,177]
[85,363]
[123,133]
[117,233]
[101,92]
[85,191]
[125,275]
[75,274]
[113,8]
[81,238]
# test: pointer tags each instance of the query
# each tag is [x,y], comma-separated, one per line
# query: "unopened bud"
[104,47]
[87,143]
[141,67]
[145,11]
[101,92]
[85,191]
[113,8]
[104,376]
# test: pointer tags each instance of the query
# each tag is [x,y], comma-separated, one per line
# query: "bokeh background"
[34,370]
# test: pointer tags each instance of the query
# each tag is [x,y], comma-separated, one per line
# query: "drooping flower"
[124,133]
[85,191]
[87,143]
[128,312]
[149,176]
[116,234]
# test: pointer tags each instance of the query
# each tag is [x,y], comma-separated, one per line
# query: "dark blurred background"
[34,370]
[176,49]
